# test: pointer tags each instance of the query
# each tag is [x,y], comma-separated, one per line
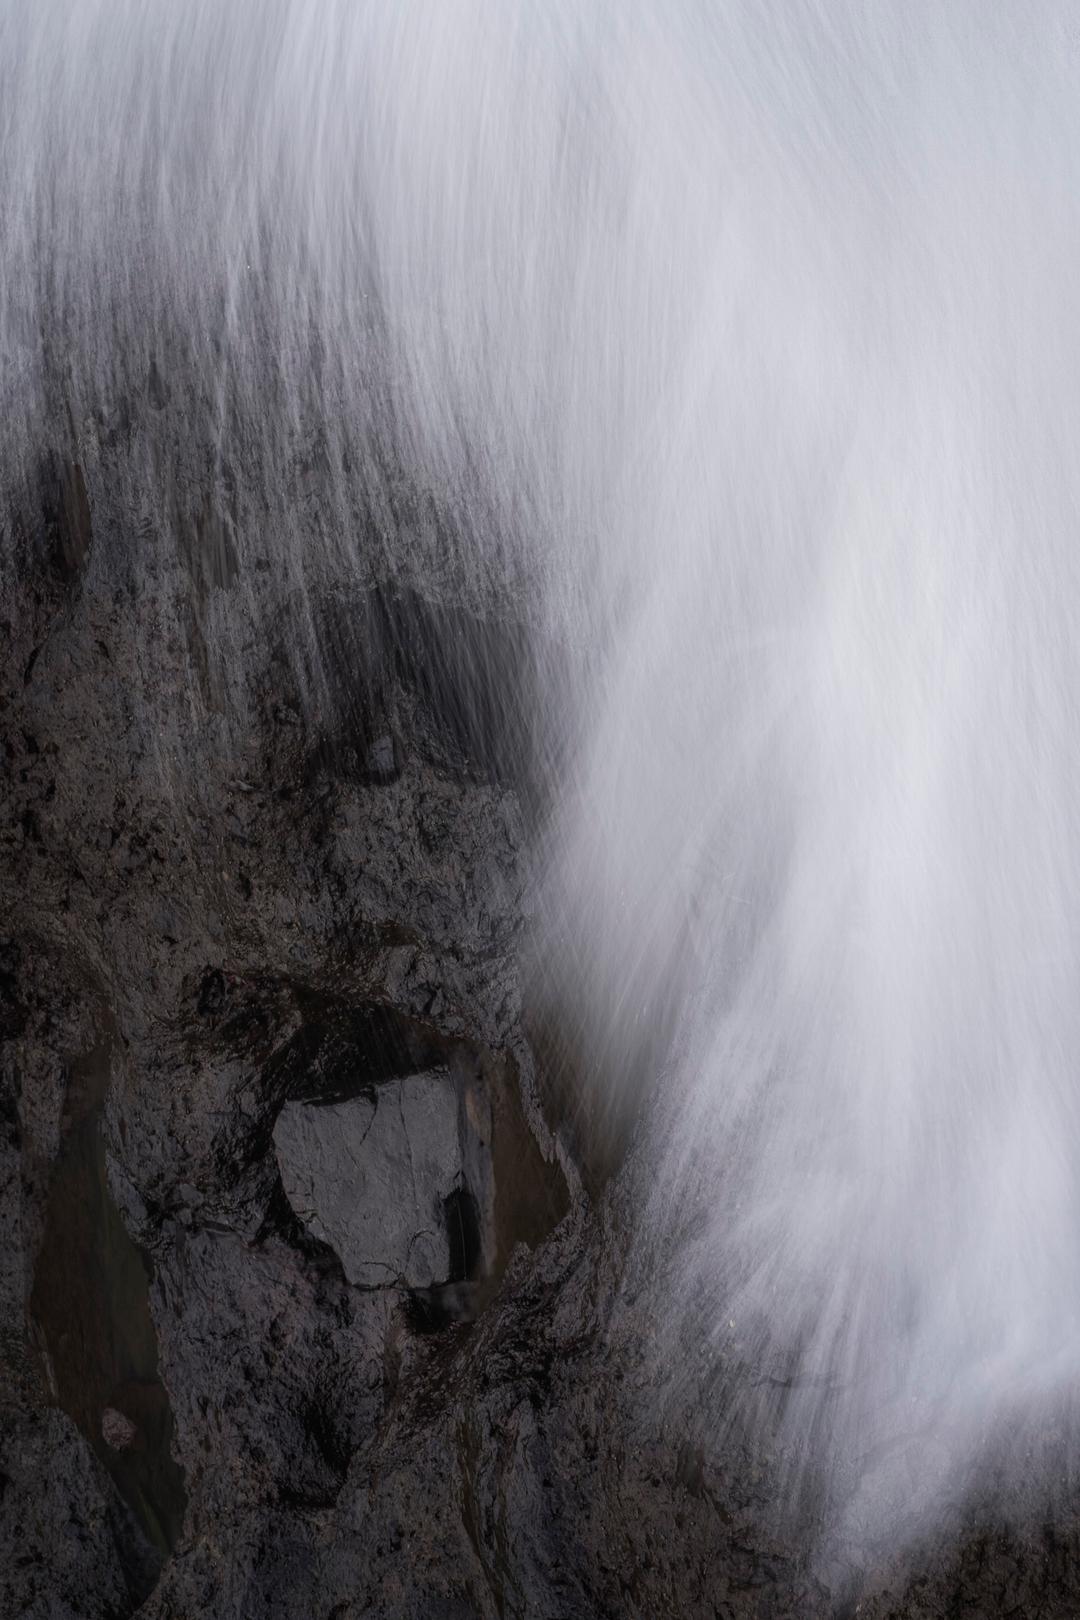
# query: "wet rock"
[338,1027]
[62,518]
[117,1430]
[69,1549]
[381,759]
[372,1177]
[276,1367]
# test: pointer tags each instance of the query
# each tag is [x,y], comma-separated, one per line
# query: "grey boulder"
[371,1177]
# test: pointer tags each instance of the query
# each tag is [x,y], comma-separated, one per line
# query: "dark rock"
[69,1550]
[240,947]
[372,1177]
[117,1430]
[380,762]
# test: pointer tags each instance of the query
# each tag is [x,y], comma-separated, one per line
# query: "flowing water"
[738,346]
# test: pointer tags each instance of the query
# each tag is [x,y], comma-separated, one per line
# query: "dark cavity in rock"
[91,1315]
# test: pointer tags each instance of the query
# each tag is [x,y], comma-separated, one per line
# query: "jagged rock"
[371,1177]
[232,902]
[69,1550]
[276,1368]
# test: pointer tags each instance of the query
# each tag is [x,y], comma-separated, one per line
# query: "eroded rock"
[274,893]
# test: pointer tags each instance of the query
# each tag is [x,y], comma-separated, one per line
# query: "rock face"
[278,1183]
[375,1177]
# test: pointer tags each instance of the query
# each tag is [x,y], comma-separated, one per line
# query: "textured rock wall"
[239,891]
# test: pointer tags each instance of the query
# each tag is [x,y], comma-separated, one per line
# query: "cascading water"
[742,343]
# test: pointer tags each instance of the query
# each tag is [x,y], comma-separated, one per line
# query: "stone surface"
[68,1546]
[372,1177]
[117,1430]
[222,913]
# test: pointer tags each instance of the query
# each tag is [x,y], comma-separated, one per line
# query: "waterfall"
[738,348]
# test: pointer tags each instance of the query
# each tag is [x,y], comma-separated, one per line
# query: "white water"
[753,332]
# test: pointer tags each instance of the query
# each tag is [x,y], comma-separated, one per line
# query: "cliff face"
[305,1311]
